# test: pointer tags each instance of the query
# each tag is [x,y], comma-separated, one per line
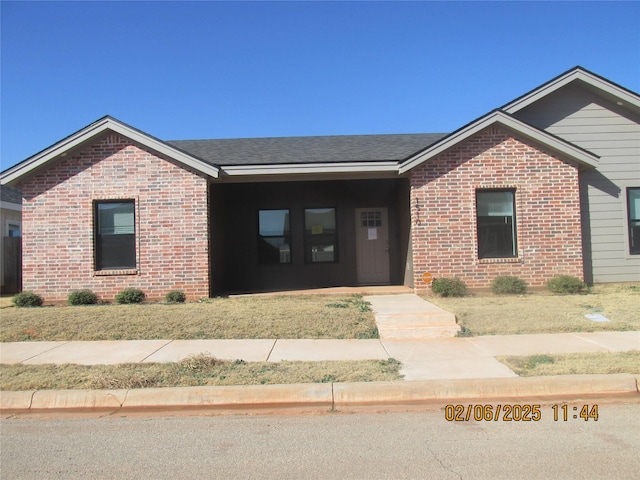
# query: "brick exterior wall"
[443,212]
[171,215]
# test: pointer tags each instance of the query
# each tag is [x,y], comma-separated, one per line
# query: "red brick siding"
[171,223]
[443,211]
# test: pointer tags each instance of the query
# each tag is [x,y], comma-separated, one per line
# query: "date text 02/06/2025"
[517,413]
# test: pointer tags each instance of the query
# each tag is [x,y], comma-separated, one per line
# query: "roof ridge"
[358,135]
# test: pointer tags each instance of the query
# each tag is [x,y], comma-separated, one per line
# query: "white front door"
[372,246]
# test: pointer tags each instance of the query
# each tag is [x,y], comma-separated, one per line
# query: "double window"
[633,212]
[320,236]
[115,235]
[496,222]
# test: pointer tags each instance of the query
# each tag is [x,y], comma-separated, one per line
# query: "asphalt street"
[328,446]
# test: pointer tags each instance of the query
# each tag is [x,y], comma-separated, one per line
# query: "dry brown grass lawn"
[543,312]
[193,371]
[574,363]
[312,316]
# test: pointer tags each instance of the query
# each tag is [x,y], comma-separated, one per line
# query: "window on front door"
[320,235]
[496,223]
[115,242]
[371,219]
[633,209]
[274,237]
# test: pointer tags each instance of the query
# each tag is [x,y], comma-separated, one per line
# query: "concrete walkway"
[408,316]
[456,358]
[412,330]
[443,358]
[438,369]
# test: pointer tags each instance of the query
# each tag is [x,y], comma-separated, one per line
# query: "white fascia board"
[311,168]
[97,128]
[594,81]
[11,206]
[40,159]
[165,149]
[498,117]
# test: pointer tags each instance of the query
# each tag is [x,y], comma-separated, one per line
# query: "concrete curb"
[245,396]
[406,393]
[317,395]
[320,396]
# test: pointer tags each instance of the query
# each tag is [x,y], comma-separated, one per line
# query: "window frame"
[312,238]
[9,230]
[286,235]
[100,264]
[484,255]
[633,224]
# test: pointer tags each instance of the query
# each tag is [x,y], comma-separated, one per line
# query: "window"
[13,229]
[320,235]
[633,208]
[496,223]
[274,241]
[115,235]
[371,219]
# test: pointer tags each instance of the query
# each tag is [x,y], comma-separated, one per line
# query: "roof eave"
[10,206]
[584,158]
[311,168]
[622,94]
[14,175]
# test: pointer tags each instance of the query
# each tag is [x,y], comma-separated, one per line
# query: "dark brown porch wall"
[234,210]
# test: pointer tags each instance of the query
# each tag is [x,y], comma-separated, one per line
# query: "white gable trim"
[623,95]
[36,162]
[573,152]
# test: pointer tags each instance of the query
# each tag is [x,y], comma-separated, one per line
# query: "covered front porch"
[294,235]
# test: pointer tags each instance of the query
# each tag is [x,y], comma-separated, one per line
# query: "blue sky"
[187,70]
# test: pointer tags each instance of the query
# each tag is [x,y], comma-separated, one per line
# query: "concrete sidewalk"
[425,359]
[435,365]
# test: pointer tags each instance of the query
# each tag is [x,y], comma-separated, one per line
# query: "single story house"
[547,184]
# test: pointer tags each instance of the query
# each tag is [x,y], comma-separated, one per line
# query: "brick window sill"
[483,261]
[109,273]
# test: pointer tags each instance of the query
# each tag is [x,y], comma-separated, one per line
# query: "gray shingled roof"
[288,150]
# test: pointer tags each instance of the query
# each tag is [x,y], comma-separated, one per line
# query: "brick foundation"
[443,212]
[171,210]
